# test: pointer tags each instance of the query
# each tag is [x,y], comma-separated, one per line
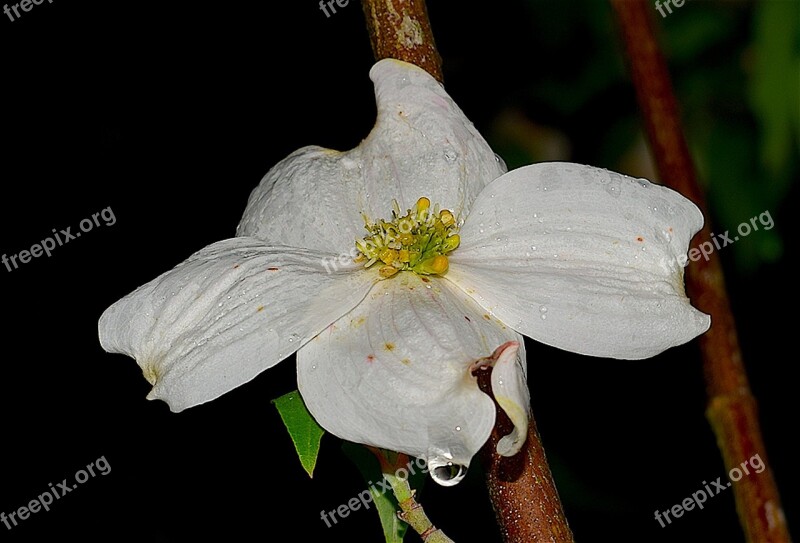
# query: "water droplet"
[450,155]
[445,472]
[543,308]
[294,337]
[458,428]
[533,247]
[544,316]
[502,162]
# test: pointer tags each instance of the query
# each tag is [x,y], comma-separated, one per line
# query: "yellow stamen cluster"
[418,241]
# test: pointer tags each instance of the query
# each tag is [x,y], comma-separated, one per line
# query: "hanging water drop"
[445,472]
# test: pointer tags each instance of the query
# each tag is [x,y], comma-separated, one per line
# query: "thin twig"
[411,511]
[732,409]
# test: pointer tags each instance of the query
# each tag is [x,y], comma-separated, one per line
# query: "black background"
[170,115]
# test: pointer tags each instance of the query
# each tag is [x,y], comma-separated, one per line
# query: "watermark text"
[58,239]
[698,498]
[46,498]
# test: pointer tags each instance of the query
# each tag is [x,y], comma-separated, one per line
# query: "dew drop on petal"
[450,155]
[445,472]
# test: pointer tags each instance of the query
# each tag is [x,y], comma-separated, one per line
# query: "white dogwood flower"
[448,261]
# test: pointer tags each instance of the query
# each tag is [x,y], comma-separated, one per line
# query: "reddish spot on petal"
[370,358]
[425,279]
[670,229]
[260,309]
[406,361]
[389,346]
[640,239]
[467,318]
[487,317]
[236,266]
[272,269]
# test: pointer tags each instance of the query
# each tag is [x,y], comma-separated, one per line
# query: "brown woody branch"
[732,409]
[400,29]
[521,487]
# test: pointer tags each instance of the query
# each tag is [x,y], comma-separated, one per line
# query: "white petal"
[395,372]
[421,145]
[583,259]
[510,389]
[230,311]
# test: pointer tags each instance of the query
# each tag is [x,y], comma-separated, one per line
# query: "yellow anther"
[388,256]
[404,255]
[388,271]
[447,218]
[451,243]
[423,204]
[438,265]
[405,239]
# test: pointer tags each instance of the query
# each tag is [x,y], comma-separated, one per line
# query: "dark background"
[171,114]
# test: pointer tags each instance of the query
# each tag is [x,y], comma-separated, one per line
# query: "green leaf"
[386,504]
[303,429]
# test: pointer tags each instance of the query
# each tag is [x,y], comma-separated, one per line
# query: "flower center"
[418,241]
